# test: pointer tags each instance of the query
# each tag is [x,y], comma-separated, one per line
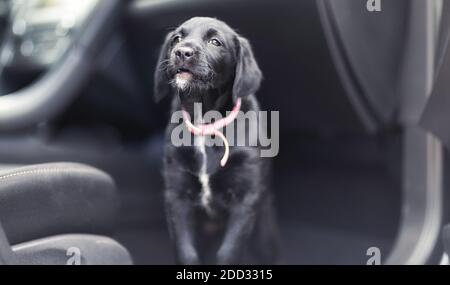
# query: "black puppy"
[225,210]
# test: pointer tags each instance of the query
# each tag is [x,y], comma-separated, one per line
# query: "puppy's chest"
[216,184]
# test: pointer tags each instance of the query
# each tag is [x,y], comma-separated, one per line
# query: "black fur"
[241,215]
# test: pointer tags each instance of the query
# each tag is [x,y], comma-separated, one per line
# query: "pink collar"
[213,128]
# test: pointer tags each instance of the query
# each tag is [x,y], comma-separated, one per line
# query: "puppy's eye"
[215,42]
[176,40]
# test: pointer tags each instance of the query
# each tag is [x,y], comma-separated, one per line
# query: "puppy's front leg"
[181,227]
[240,225]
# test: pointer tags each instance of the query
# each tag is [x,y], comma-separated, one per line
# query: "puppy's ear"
[248,76]
[161,81]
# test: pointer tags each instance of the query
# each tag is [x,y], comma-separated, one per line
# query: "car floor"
[335,197]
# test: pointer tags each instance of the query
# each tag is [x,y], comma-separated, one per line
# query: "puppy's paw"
[225,257]
[188,258]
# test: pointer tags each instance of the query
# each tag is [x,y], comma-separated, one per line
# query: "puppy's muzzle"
[184,53]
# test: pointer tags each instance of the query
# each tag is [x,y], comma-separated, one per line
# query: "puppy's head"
[204,54]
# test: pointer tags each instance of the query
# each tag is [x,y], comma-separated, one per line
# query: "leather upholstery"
[71,250]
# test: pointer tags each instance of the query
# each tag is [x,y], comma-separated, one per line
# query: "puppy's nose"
[184,53]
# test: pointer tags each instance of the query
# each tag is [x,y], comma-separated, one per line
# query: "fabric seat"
[43,200]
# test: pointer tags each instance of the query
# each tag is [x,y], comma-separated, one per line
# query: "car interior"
[81,139]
